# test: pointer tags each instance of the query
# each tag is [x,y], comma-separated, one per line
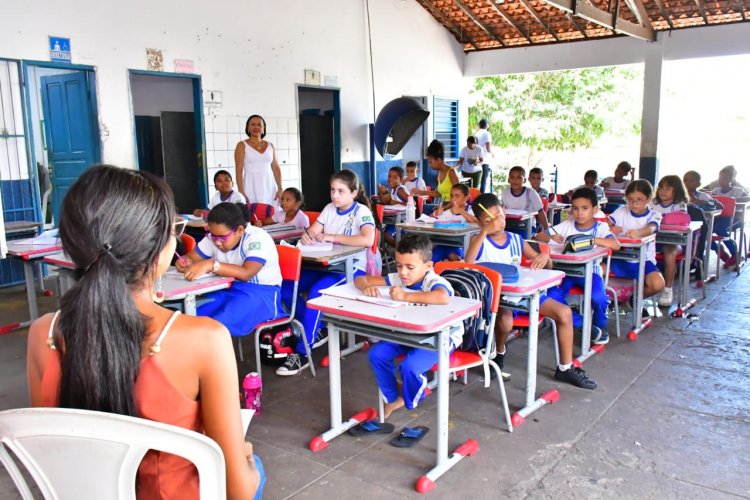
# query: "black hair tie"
[105,250]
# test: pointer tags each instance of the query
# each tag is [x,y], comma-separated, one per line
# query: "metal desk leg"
[466,242]
[741,250]
[707,278]
[28,276]
[189,305]
[398,234]
[686,303]
[638,324]
[586,350]
[334,377]
[444,462]
[532,402]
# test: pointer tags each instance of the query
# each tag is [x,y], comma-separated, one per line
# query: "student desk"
[581,265]
[284,232]
[331,261]
[615,195]
[174,287]
[31,256]
[711,216]
[453,236]
[553,208]
[681,235]
[634,250]
[13,228]
[518,218]
[394,214]
[524,295]
[425,327]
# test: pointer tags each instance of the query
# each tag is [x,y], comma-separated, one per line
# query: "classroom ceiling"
[499,24]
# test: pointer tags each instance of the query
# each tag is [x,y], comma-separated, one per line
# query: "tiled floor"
[670,419]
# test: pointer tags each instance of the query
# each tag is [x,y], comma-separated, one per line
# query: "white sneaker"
[293,365]
[666,298]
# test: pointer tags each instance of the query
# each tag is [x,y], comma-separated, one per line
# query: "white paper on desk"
[247,416]
[279,228]
[177,274]
[191,217]
[515,211]
[395,208]
[426,219]
[315,248]
[349,291]
[50,237]
[512,300]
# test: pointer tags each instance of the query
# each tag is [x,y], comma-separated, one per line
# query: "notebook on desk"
[351,292]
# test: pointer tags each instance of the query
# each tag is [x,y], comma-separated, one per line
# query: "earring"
[158,295]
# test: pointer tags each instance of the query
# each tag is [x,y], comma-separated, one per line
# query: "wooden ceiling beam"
[702,11]
[479,22]
[586,10]
[538,19]
[742,9]
[508,20]
[639,10]
[664,13]
[457,31]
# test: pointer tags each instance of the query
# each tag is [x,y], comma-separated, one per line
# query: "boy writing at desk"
[495,244]
[581,221]
[417,283]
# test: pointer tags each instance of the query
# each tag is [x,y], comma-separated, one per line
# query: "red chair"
[261,211]
[727,212]
[463,360]
[473,193]
[313,216]
[290,262]
[545,205]
[188,242]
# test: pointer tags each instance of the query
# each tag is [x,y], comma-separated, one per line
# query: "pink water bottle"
[253,387]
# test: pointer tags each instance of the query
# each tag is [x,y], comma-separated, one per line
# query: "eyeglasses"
[222,239]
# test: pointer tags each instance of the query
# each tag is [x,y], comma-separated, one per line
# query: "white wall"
[712,41]
[254,52]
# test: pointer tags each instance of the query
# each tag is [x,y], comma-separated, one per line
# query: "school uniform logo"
[255,245]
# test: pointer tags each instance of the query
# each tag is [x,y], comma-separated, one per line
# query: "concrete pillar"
[649,161]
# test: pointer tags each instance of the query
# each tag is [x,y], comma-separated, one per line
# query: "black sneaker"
[499,360]
[644,311]
[575,376]
[293,365]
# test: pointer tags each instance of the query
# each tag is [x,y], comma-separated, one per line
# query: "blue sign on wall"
[59,49]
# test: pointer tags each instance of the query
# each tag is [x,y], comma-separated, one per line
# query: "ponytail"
[114,224]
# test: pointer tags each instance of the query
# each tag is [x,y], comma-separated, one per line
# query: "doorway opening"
[319,142]
[168,118]
[64,129]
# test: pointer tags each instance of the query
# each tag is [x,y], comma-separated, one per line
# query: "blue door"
[69,131]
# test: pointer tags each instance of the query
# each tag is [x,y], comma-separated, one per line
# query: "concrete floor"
[670,419]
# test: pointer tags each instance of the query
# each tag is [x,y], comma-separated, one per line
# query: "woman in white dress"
[257,170]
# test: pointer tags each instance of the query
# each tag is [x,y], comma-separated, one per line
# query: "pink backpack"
[681,219]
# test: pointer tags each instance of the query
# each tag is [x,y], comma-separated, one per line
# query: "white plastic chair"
[88,454]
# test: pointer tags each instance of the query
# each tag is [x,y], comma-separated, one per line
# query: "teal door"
[69,130]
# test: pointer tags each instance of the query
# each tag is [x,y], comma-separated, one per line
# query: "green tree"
[560,110]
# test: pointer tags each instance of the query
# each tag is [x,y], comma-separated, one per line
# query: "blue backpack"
[471,284]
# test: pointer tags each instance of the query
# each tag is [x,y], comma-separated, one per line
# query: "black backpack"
[471,284]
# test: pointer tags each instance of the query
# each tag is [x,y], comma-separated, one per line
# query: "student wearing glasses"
[234,248]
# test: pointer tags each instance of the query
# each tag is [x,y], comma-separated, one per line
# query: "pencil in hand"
[486,211]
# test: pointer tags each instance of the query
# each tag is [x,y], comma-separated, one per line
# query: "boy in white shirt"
[519,197]
[418,283]
[412,182]
[225,192]
[618,181]
[584,206]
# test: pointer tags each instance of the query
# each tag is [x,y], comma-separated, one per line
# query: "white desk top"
[338,253]
[580,257]
[530,281]
[512,213]
[636,242]
[431,228]
[26,251]
[408,319]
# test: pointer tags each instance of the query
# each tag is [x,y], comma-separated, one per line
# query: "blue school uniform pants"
[441,252]
[721,228]
[243,306]
[599,299]
[417,362]
[311,282]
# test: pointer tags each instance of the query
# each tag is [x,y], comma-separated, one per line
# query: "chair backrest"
[729,205]
[473,193]
[543,248]
[492,275]
[290,262]
[188,242]
[556,197]
[380,212]
[88,454]
[545,204]
[313,216]
[420,205]
[260,210]
[375,242]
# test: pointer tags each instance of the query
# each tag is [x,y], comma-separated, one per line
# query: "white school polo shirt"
[613,184]
[417,183]
[625,218]
[667,209]
[234,197]
[449,216]
[257,246]
[300,221]
[528,200]
[349,223]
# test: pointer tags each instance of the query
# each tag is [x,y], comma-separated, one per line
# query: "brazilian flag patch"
[255,245]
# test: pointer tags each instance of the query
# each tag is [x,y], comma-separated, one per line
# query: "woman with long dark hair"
[113,348]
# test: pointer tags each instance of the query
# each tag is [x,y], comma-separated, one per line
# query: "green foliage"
[560,110]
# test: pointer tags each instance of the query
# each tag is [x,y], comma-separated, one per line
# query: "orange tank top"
[160,475]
